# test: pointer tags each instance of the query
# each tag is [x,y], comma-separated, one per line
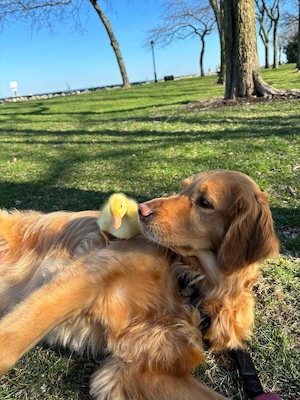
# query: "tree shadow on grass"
[47,198]
[36,196]
[287,227]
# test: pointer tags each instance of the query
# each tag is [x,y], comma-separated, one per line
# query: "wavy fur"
[59,282]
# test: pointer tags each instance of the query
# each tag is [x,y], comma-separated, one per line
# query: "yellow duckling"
[119,217]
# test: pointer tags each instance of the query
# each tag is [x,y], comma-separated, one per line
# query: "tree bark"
[114,43]
[202,73]
[218,9]
[298,47]
[243,77]
[275,45]
[265,39]
[267,53]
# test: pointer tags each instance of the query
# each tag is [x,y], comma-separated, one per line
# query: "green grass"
[71,152]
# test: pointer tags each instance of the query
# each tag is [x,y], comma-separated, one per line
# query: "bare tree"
[243,77]
[291,20]
[43,13]
[273,12]
[265,25]
[113,41]
[182,19]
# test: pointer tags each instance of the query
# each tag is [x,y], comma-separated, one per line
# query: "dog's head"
[219,216]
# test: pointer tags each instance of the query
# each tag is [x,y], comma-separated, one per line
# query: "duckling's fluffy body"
[119,217]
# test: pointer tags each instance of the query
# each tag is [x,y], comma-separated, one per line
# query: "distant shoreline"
[44,96]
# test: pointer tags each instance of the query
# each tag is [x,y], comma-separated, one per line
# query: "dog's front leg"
[231,321]
[68,294]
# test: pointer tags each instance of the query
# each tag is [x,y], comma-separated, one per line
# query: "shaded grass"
[70,153]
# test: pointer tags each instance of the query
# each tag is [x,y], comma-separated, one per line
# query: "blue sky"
[44,62]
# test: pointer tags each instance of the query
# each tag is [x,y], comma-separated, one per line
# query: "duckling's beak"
[117,221]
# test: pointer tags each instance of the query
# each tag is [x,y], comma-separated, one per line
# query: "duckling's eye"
[204,203]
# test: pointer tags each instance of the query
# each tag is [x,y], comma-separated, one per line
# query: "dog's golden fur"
[59,282]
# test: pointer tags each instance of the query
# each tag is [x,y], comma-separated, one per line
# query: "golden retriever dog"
[141,300]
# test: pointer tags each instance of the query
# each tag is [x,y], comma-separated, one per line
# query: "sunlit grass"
[71,152]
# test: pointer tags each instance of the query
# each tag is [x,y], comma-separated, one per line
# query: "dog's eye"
[204,203]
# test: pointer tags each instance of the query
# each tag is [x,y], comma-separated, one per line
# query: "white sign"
[14,86]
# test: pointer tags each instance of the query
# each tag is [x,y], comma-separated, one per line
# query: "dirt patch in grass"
[213,103]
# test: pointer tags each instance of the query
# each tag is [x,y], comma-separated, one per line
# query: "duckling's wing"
[105,217]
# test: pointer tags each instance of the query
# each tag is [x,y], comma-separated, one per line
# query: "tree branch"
[21,6]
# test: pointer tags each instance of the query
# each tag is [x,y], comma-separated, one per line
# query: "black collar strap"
[252,385]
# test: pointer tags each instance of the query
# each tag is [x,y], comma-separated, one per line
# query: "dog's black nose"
[144,210]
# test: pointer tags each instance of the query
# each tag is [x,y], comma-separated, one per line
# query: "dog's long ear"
[186,182]
[191,179]
[250,237]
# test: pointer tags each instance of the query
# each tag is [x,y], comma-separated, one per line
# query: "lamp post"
[153,58]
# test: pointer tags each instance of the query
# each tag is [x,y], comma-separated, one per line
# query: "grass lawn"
[72,152]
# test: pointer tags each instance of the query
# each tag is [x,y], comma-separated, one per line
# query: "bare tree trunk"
[218,9]
[267,55]
[222,76]
[276,49]
[114,43]
[264,30]
[266,42]
[243,77]
[275,38]
[202,73]
[274,15]
[298,46]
